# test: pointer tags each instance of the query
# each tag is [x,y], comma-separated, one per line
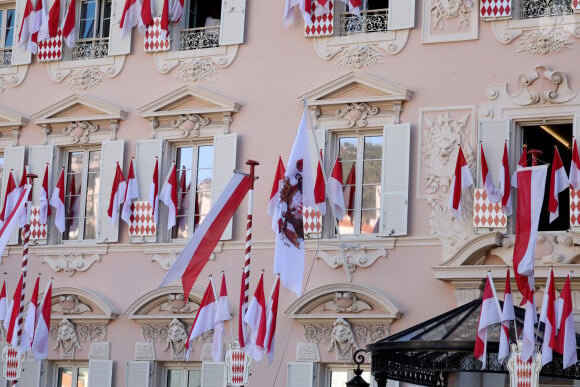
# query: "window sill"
[87,73]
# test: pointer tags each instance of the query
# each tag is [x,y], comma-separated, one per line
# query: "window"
[6,36]
[94,29]
[71,375]
[529,9]
[338,375]
[180,376]
[202,25]
[196,172]
[373,18]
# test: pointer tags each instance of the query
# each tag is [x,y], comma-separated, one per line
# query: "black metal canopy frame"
[426,353]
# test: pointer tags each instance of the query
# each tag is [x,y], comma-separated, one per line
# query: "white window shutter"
[100,373]
[224,164]
[38,157]
[31,371]
[576,127]
[213,374]
[401,15]
[13,159]
[395,180]
[492,134]
[300,374]
[112,152]
[138,374]
[232,22]
[20,56]
[117,45]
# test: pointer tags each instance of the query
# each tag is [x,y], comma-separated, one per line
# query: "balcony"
[530,9]
[91,49]
[5,56]
[369,21]
[196,38]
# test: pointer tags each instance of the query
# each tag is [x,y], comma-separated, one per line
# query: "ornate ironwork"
[91,48]
[369,21]
[196,38]
[539,8]
[5,57]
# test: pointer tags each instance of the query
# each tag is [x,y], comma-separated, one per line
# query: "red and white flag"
[574,178]
[222,315]
[23,218]
[11,220]
[145,17]
[558,183]
[130,17]
[190,262]
[505,183]
[53,19]
[566,340]
[154,192]
[204,318]
[117,195]
[349,192]
[26,26]
[531,186]
[490,314]
[522,163]
[42,334]
[256,320]
[271,318]
[335,190]
[3,303]
[320,189]
[57,201]
[296,193]
[461,180]
[30,320]
[548,317]
[176,11]
[39,18]
[305,7]
[354,6]
[507,315]
[168,196]
[275,193]
[10,198]
[69,27]
[13,325]
[44,211]
[164,30]
[494,194]
[528,335]
[131,193]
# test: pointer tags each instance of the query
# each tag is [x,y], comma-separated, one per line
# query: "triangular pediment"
[356,88]
[78,108]
[188,100]
[8,118]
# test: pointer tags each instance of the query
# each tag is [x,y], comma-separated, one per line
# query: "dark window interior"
[200,10]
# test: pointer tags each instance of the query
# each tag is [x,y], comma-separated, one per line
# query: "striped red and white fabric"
[131,193]
[154,192]
[3,303]
[566,340]
[130,17]
[574,178]
[30,320]
[222,314]
[117,195]
[490,314]
[26,25]
[461,179]
[44,208]
[275,192]
[69,26]
[11,322]
[522,163]
[507,315]
[175,10]
[168,196]
[548,317]
[558,183]
[57,201]
[528,335]
[336,191]
[505,183]
[145,17]
[42,333]
[204,319]
[11,221]
[305,8]
[53,19]
[320,189]
[256,320]
[271,319]
[10,198]
[493,193]
[164,31]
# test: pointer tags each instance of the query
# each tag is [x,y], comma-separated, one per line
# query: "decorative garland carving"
[69,304]
[355,306]
[92,332]
[80,131]
[450,9]
[100,350]
[152,333]
[359,56]
[559,93]
[176,304]
[8,81]
[356,113]
[83,79]
[189,124]
[356,256]
[196,70]
[544,42]
[144,352]
[70,263]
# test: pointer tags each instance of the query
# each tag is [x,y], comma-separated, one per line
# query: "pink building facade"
[392,92]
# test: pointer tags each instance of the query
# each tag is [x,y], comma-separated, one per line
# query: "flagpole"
[325,177]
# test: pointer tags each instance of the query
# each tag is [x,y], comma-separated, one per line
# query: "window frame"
[76,365]
[184,367]
[4,48]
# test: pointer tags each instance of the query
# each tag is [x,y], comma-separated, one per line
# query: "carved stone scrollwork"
[196,70]
[70,263]
[85,78]
[100,351]
[165,261]
[560,92]
[176,339]
[80,131]
[152,333]
[355,257]
[544,42]
[355,306]
[359,56]
[176,304]
[307,352]
[364,333]
[356,113]
[67,339]
[70,304]
[189,124]
[144,352]
[450,9]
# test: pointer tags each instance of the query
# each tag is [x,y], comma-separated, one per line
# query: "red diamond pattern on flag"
[237,365]
[312,220]
[574,208]
[152,41]
[485,213]
[51,49]
[495,8]
[11,363]
[37,230]
[142,223]
[321,25]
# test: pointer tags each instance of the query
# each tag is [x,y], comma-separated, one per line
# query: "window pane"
[347,148]
[65,375]
[194,378]
[83,377]
[1,167]
[204,182]
[72,194]
[106,19]
[370,221]
[174,378]
[184,158]
[92,198]
[9,37]
[87,19]
[372,171]
[338,378]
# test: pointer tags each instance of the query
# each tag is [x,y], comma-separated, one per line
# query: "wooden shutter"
[401,15]
[395,180]
[224,164]
[492,134]
[495,9]
[100,373]
[138,374]
[112,152]
[20,56]
[213,374]
[300,374]
[232,22]
[118,45]
[31,372]
[13,159]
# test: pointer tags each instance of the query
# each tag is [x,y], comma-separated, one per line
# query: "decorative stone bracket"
[356,256]
[70,263]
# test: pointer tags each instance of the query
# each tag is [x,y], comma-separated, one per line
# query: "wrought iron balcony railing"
[196,38]
[91,48]
[5,57]
[530,9]
[369,21]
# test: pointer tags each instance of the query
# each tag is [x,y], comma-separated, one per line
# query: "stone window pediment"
[164,304]
[10,125]
[80,304]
